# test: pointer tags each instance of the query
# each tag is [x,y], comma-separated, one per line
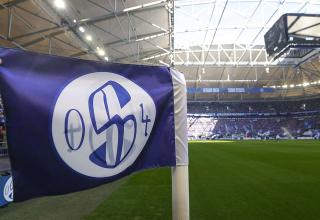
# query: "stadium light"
[106,58]
[267,70]
[59,4]
[100,52]
[74,21]
[89,38]
[306,84]
[285,86]
[81,29]
[292,86]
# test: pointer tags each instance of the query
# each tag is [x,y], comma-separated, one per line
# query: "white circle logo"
[8,190]
[101,122]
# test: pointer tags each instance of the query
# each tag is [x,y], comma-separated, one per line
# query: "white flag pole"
[180,193]
[180,175]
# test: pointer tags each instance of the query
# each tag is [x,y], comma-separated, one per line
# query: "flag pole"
[180,192]
[180,173]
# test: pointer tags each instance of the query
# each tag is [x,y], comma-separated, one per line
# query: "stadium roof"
[215,43]
[205,22]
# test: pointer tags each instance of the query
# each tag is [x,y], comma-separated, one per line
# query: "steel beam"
[33,33]
[10,21]
[11,4]
[91,21]
[139,38]
[171,32]
[94,20]
[227,63]
[12,42]
[36,15]
[81,53]
[146,54]
[37,40]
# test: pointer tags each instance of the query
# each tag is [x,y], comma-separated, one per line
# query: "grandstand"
[252,71]
[254,120]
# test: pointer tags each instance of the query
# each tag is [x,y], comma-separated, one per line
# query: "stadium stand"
[258,120]
[255,107]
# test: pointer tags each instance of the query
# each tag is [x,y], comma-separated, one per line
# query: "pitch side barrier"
[257,138]
[254,114]
[3,151]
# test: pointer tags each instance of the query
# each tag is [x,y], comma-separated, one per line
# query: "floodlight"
[81,29]
[89,38]
[60,4]
[267,70]
[101,52]
[306,84]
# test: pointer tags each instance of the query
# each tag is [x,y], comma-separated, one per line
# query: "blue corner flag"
[74,124]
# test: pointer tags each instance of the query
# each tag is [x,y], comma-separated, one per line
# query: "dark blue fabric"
[30,84]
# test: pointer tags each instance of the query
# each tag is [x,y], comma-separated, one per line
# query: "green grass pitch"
[228,180]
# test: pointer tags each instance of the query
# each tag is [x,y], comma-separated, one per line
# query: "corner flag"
[74,124]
